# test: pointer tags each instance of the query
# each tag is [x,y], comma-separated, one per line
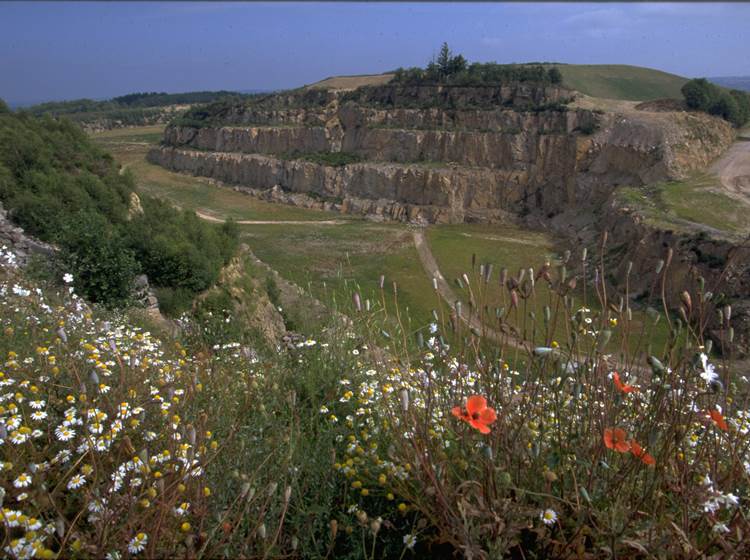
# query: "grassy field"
[619,81]
[130,145]
[454,248]
[351,82]
[696,201]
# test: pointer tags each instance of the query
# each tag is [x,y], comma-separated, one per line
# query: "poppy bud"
[659,266]
[685,298]
[262,531]
[62,334]
[287,494]
[550,476]
[357,301]
[514,298]
[362,517]
[434,284]
[728,313]
[272,488]
[294,542]
[404,396]
[334,528]
[375,526]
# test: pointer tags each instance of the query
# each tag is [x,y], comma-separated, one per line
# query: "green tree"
[700,94]
[444,60]
[4,107]
[555,76]
[726,107]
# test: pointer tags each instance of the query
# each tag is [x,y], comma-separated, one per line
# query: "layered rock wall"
[460,153]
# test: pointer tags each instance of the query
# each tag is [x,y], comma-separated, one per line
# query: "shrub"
[100,260]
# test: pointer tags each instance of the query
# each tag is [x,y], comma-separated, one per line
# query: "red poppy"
[719,420]
[621,386]
[641,453]
[617,439]
[476,413]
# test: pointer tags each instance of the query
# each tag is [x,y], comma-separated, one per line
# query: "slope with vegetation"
[620,81]
[122,442]
[60,187]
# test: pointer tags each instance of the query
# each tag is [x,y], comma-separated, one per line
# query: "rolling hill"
[619,81]
[613,81]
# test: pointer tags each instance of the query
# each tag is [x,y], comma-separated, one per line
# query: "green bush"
[102,264]
[731,105]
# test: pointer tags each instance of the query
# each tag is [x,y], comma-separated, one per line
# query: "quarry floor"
[325,252]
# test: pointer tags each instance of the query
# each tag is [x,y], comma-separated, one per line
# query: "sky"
[60,50]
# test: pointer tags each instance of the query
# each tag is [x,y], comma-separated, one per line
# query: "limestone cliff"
[446,165]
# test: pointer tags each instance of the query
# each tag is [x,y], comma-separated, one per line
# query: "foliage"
[57,184]
[129,110]
[731,105]
[332,159]
[455,70]
[99,258]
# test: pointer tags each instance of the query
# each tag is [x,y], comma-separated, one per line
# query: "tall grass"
[367,440]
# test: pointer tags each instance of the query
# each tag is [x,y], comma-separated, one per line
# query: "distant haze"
[53,51]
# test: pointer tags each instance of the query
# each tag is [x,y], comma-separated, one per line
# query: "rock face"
[443,154]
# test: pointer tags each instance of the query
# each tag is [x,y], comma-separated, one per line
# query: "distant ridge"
[732,82]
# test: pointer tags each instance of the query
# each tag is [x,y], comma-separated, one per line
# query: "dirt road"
[733,170]
[212,218]
[432,270]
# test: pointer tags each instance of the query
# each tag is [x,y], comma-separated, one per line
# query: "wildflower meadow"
[369,439]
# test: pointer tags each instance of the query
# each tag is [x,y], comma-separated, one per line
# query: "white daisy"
[548,516]
[64,433]
[409,541]
[137,543]
[708,374]
[22,481]
[76,481]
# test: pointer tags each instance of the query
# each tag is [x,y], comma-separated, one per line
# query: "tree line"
[451,69]
[732,105]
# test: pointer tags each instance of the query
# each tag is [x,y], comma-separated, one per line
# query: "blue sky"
[102,49]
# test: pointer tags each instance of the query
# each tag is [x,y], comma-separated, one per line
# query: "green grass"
[619,81]
[696,201]
[514,248]
[328,260]
[129,146]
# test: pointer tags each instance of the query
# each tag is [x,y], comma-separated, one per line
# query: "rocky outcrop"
[443,154]
[19,243]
